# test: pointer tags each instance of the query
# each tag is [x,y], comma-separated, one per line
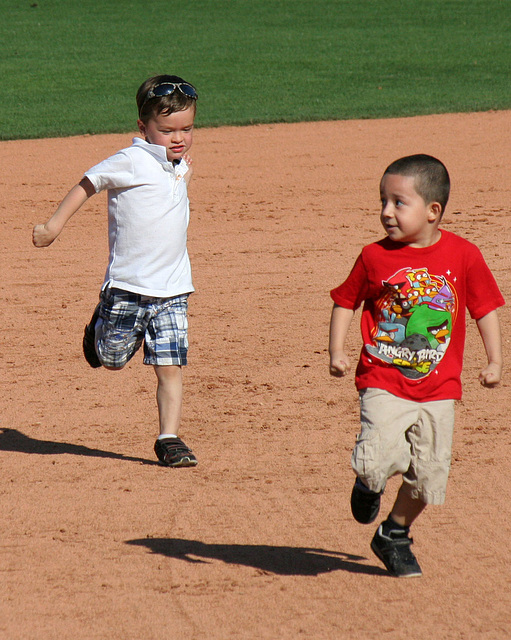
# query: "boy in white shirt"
[148,279]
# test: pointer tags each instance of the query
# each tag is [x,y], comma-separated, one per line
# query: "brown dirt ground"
[97,541]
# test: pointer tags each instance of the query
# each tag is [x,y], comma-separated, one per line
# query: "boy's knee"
[111,358]
[374,470]
[374,482]
[112,368]
[111,363]
[114,348]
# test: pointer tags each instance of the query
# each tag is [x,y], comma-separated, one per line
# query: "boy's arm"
[489,329]
[339,327]
[44,234]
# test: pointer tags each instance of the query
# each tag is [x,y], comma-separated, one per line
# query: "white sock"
[162,436]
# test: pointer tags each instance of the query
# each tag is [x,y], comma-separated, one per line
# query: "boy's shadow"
[14,440]
[286,561]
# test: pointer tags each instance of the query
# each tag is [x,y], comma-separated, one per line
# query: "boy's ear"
[141,127]
[435,211]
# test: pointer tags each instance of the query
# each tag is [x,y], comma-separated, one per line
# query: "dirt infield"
[99,542]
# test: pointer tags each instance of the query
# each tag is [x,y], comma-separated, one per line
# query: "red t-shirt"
[413,318]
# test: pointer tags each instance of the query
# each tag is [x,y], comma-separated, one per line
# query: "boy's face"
[404,215]
[173,131]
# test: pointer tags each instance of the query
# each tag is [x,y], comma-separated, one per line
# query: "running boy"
[415,286]
[148,279]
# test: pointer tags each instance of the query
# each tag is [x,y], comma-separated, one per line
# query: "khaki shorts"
[404,437]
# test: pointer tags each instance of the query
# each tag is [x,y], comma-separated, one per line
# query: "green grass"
[72,67]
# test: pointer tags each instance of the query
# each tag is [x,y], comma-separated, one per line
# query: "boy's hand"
[339,365]
[189,173]
[44,234]
[41,237]
[491,375]
[339,327]
[489,328]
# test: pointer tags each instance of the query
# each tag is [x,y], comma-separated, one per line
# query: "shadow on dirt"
[14,440]
[288,561]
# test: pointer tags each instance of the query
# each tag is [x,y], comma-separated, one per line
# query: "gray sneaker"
[173,452]
[395,553]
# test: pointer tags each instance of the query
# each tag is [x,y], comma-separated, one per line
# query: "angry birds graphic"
[416,313]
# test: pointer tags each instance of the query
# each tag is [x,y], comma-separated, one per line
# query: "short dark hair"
[432,180]
[177,101]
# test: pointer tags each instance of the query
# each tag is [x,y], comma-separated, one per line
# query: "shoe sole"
[89,352]
[378,554]
[184,462]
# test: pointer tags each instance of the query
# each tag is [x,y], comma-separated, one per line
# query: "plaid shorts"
[126,320]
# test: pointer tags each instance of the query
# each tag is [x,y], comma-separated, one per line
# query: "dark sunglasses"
[168,88]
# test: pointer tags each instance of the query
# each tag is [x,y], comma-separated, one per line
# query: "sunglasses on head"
[168,88]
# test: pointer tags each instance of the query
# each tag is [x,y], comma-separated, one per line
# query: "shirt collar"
[157,151]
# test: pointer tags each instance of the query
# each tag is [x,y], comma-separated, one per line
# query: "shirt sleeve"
[353,291]
[483,294]
[116,172]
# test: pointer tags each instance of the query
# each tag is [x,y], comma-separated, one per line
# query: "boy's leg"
[120,328]
[125,330]
[391,542]
[169,395]
[381,450]
[406,509]
[424,483]
[166,348]
[171,450]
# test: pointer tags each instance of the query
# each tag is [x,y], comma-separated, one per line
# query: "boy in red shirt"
[414,286]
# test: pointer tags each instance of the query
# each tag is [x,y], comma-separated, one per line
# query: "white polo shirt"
[148,216]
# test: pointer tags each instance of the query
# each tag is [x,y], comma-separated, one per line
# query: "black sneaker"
[395,553]
[172,452]
[89,340]
[365,504]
